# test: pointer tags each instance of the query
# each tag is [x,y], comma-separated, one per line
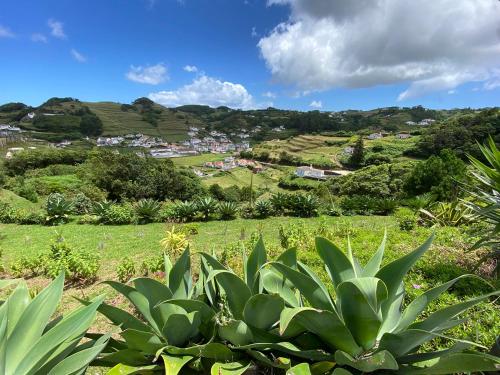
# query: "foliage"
[147,210]
[438,175]
[384,180]
[118,214]
[303,205]
[128,176]
[58,209]
[357,157]
[27,191]
[174,241]
[34,344]
[407,219]
[366,205]
[263,209]
[125,270]
[82,204]
[227,210]
[207,206]
[365,326]
[451,214]
[293,182]
[91,125]
[184,211]
[486,204]
[334,210]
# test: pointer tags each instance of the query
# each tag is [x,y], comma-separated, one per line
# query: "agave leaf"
[361,299]
[279,362]
[339,266]
[174,365]
[289,257]
[63,334]
[307,271]
[212,350]
[423,357]
[179,328]
[122,369]
[18,301]
[152,289]
[179,279]
[164,311]
[80,360]
[129,357]
[436,320]
[3,342]
[191,305]
[457,363]
[301,369]
[393,273]
[373,265]
[146,342]
[382,360]
[263,310]
[291,349]
[139,300]
[6,283]
[307,286]
[35,316]
[341,371]
[325,324]
[236,332]
[236,291]
[276,283]
[255,261]
[167,264]
[405,342]
[232,368]
[321,368]
[419,304]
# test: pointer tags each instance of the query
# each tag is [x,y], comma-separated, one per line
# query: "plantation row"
[279,316]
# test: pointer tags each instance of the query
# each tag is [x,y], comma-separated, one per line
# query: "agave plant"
[280,202]
[228,210]
[486,203]
[206,206]
[365,325]
[447,214]
[58,209]
[101,208]
[175,330]
[32,343]
[263,209]
[147,210]
[304,205]
[184,211]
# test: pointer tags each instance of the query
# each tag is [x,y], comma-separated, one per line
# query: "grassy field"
[320,148]
[7,196]
[172,126]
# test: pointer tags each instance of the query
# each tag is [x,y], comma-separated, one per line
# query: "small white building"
[403,135]
[310,172]
[375,136]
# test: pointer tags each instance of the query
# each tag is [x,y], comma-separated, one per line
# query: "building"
[310,172]
[403,135]
[375,136]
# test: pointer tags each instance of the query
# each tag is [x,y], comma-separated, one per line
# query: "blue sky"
[287,53]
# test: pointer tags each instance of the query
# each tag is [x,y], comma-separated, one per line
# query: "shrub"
[263,209]
[38,345]
[334,210]
[407,219]
[304,205]
[118,214]
[82,204]
[125,270]
[101,208]
[7,213]
[89,219]
[153,265]
[184,211]
[174,241]
[58,209]
[447,214]
[280,202]
[147,210]
[206,206]
[227,210]
[24,217]
[27,191]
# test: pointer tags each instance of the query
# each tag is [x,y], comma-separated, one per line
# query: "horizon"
[253,54]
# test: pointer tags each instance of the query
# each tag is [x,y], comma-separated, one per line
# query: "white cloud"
[269,94]
[78,56]
[206,90]
[493,84]
[38,38]
[150,75]
[430,44]
[254,32]
[190,68]
[56,29]
[316,104]
[5,32]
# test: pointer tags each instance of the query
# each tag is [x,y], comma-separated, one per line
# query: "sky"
[324,55]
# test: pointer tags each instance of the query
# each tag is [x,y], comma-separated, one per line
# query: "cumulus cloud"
[316,104]
[190,68]
[39,38]
[206,90]
[56,29]
[78,56]
[150,75]
[5,32]
[430,44]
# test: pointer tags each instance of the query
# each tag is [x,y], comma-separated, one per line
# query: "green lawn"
[7,196]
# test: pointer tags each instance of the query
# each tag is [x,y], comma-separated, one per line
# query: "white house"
[403,135]
[375,136]
[310,172]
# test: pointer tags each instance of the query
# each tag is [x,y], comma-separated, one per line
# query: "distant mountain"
[69,118]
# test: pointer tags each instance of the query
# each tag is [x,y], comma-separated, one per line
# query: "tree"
[91,125]
[358,154]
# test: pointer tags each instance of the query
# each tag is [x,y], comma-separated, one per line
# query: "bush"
[125,270]
[58,209]
[89,219]
[263,209]
[304,205]
[183,211]
[206,206]
[7,213]
[334,210]
[147,210]
[118,215]
[82,204]
[407,219]
[24,217]
[153,265]
[27,191]
[227,210]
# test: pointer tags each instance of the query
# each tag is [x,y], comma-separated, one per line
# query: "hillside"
[69,118]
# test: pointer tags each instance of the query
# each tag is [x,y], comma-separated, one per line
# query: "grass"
[198,160]
[7,196]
